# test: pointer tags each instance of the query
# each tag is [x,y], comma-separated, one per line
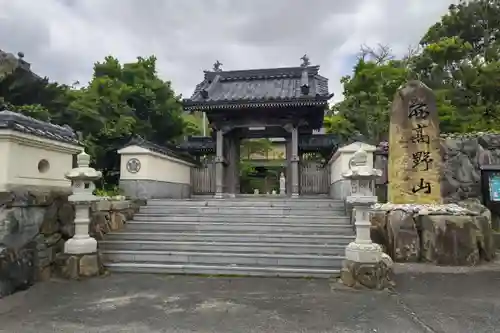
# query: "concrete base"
[366,275]
[150,189]
[78,266]
[79,246]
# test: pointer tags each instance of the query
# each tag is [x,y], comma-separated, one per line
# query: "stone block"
[89,265]
[117,221]
[378,230]
[403,238]
[366,275]
[100,224]
[67,266]
[101,206]
[120,205]
[79,266]
[449,240]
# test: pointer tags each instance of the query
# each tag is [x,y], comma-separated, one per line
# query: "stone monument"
[414,147]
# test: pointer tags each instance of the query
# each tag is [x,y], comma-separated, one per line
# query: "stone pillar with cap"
[366,265]
[80,258]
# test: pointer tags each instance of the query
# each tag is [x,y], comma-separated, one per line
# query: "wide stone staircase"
[253,236]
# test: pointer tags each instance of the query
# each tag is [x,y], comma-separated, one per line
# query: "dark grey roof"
[24,124]
[171,150]
[272,87]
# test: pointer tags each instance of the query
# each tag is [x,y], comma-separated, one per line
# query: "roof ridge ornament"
[305,61]
[304,81]
[217,66]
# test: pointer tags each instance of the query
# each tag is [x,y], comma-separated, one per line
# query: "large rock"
[449,240]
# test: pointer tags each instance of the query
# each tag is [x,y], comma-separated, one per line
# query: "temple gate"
[286,103]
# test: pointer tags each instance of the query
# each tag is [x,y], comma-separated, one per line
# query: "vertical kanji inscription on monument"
[414,147]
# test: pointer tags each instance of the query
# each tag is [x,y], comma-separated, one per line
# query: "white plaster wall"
[154,166]
[339,163]
[20,155]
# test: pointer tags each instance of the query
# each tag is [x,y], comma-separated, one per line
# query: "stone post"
[295,162]
[365,265]
[219,166]
[82,178]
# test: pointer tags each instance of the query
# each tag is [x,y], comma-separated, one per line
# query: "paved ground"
[446,300]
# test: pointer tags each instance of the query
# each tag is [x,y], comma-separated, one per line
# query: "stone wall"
[453,234]
[463,156]
[34,225]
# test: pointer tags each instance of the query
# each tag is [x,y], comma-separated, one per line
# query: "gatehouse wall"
[339,163]
[147,173]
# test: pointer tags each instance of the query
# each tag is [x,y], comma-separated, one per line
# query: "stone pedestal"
[79,266]
[362,275]
[366,265]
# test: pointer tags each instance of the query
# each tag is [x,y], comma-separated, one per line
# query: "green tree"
[368,94]
[460,62]
[193,124]
[119,102]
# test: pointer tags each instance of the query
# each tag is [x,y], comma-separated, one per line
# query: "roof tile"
[259,85]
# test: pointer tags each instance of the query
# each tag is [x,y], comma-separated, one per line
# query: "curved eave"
[190,105]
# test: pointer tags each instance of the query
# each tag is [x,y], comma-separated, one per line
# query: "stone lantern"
[365,263]
[82,179]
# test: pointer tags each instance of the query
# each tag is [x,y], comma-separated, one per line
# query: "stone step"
[230,247]
[239,227]
[283,211]
[252,203]
[264,238]
[250,218]
[292,272]
[222,258]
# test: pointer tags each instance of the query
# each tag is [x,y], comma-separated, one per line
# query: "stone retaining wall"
[454,235]
[34,225]
[463,156]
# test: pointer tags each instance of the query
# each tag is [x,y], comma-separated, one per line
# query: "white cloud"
[63,38]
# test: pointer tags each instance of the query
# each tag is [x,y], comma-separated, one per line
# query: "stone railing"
[35,224]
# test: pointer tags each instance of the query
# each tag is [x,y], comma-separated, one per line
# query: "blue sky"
[63,38]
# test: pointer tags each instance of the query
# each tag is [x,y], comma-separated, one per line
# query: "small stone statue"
[282,183]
